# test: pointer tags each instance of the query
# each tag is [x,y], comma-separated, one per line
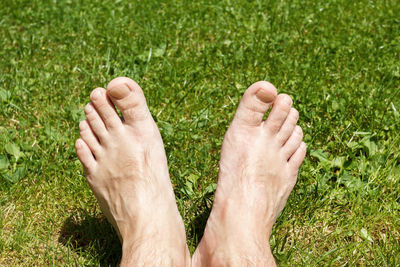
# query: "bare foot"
[258,169]
[126,167]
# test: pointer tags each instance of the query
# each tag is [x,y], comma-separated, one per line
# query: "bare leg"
[258,169]
[126,167]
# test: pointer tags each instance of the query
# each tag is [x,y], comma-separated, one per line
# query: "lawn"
[338,59]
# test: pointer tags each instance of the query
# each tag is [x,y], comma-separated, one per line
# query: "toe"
[95,122]
[297,158]
[255,102]
[128,97]
[105,108]
[85,155]
[88,136]
[278,113]
[293,142]
[288,126]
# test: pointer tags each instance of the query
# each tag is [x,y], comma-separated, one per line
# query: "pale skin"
[126,167]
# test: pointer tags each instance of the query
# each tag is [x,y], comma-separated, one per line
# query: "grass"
[338,59]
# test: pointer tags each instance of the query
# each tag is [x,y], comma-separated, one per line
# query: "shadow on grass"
[91,237]
[94,238]
[197,225]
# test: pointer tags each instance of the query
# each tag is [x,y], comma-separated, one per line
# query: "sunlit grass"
[339,60]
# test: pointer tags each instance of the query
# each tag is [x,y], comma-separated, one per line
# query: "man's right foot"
[258,169]
[126,167]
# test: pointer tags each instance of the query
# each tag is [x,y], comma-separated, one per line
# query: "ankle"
[155,252]
[228,257]
[234,249]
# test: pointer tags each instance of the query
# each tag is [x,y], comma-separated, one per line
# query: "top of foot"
[126,167]
[258,169]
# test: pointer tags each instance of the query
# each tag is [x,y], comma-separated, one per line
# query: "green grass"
[339,60]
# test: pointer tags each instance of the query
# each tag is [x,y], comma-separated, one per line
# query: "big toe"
[128,97]
[255,102]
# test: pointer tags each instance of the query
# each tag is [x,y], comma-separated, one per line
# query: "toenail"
[83,125]
[119,91]
[287,100]
[78,144]
[299,130]
[303,146]
[296,113]
[265,96]
[95,94]
[88,108]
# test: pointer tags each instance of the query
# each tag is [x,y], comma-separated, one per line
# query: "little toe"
[105,108]
[297,158]
[88,136]
[288,126]
[95,122]
[128,97]
[255,102]
[293,143]
[279,112]
[85,155]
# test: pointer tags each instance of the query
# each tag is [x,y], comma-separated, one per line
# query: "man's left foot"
[126,167]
